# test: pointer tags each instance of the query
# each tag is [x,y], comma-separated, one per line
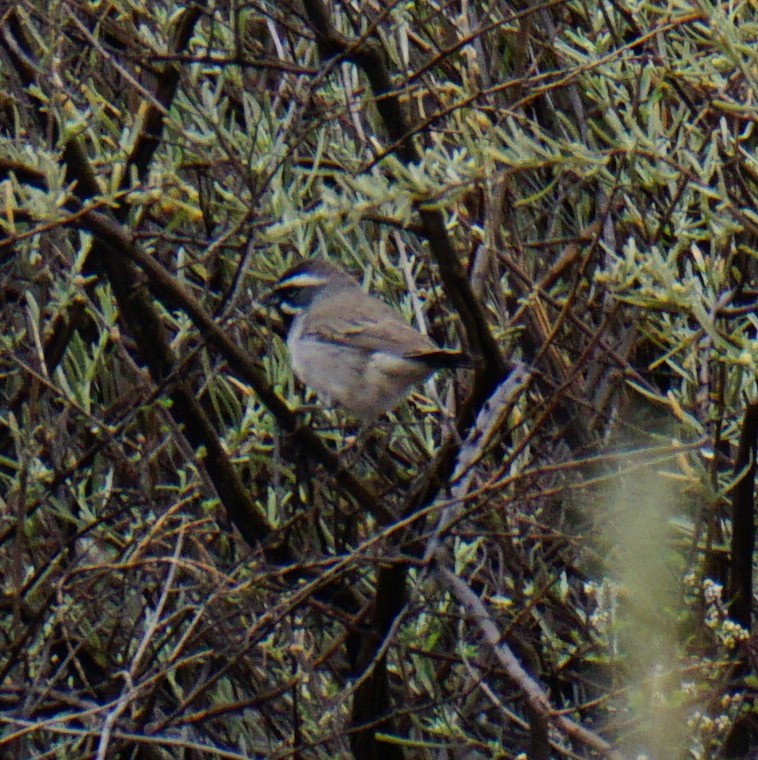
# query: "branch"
[743,521]
[534,694]
[174,295]
[369,57]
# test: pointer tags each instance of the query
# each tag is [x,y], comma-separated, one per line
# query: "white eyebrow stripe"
[302,280]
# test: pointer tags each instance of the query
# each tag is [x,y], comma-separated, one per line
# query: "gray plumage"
[351,348]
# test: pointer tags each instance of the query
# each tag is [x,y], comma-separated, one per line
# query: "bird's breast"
[366,383]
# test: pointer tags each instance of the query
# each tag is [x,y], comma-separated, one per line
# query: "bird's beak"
[269,297]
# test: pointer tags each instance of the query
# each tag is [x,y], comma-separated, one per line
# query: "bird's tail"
[443,358]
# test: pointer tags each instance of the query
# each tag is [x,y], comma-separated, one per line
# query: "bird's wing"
[380,329]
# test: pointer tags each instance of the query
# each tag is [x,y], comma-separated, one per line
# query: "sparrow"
[351,348]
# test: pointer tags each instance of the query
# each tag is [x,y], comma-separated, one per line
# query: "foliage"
[188,570]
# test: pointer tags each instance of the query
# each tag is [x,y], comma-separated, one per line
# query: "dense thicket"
[549,555]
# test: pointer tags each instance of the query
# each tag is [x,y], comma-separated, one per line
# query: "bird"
[351,348]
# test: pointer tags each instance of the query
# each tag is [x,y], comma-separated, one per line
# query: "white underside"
[364,383]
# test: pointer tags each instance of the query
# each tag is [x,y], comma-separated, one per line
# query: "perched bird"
[351,348]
